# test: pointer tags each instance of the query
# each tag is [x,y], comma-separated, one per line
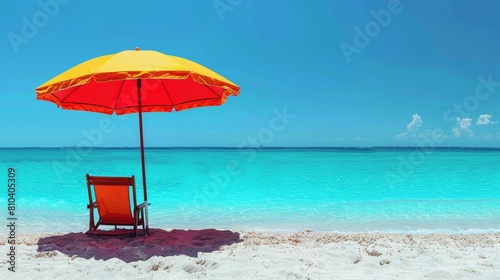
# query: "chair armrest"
[142,205]
[93,205]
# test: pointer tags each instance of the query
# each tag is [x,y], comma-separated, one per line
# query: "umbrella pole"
[146,219]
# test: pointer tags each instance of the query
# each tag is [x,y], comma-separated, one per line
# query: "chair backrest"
[113,198]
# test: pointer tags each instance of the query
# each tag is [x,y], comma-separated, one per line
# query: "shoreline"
[216,254]
[440,227]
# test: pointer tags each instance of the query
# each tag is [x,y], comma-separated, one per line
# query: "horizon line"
[254,148]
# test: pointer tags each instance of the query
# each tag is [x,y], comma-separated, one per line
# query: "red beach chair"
[112,201]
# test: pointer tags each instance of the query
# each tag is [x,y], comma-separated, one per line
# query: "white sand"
[304,255]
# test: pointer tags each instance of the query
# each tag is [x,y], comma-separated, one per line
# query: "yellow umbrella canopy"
[107,84]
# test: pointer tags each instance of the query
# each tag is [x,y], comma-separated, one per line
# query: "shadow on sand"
[128,249]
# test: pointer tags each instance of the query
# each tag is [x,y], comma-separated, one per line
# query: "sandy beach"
[219,254]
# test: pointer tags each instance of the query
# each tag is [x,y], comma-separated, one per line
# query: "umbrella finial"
[136,48]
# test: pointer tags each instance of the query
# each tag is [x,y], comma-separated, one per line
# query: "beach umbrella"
[137,81]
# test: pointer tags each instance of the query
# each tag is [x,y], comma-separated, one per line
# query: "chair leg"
[136,220]
[146,218]
[91,220]
[143,223]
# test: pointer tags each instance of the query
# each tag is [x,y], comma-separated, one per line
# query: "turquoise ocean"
[273,189]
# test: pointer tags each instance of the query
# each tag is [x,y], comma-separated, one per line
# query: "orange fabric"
[113,204]
[107,84]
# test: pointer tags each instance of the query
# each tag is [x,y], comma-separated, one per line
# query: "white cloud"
[463,127]
[412,128]
[415,124]
[484,119]
[465,123]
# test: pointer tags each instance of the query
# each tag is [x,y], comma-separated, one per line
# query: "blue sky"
[347,73]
